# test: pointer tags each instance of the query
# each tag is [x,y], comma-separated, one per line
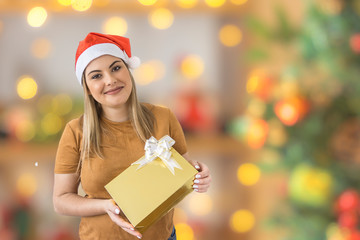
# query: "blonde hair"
[140,116]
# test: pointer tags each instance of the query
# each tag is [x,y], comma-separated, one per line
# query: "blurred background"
[267,92]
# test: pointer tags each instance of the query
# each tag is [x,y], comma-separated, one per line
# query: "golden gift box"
[153,185]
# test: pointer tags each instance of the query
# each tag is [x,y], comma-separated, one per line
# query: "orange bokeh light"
[290,111]
[257,133]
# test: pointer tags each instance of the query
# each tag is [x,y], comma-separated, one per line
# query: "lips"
[113,90]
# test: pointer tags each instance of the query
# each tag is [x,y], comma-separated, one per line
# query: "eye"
[96,76]
[116,68]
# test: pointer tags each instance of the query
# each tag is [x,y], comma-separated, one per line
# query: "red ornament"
[348,201]
[348,220]
[355,43]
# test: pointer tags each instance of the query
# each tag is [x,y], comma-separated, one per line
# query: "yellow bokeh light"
[192,67]
[37,16]
[200,204]
[81,5]
[149,72]
[180,216]
[115,26]
[238,2]
[145,74]
[26,87]
[26,185]
[248,174]
[184,232]
[242,221]
[215,3]
[147,2]
[161,18]
[230,35]
[51,124]
[64,2]
[62,104]
[186,3]
[41,48]
[25,130]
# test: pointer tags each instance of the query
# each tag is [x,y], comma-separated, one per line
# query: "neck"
[118,114]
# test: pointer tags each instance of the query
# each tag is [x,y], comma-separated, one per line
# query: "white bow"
[159,149]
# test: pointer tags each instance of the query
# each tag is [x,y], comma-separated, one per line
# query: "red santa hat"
[96,44]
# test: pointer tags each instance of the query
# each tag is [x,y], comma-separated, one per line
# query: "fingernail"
[195,186]
[197,166]
[132,229]
[138,237]
[198,176]
[196,181]
[117,211]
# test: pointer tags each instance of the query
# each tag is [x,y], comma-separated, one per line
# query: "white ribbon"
[159,149]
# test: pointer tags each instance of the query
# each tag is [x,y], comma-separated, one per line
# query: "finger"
[202,181]
[201,188]
[133,232]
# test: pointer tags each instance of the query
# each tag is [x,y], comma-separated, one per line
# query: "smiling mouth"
[114,90]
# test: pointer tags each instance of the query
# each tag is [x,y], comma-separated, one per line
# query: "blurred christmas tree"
[304,116]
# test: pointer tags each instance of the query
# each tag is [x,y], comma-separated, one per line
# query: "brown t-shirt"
[120,146]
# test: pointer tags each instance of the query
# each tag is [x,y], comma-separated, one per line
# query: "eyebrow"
[109,67]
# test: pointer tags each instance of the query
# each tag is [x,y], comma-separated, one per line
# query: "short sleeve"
[68,152]
[177,133]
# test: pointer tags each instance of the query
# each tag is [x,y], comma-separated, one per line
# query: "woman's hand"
[202,178]
[113,211]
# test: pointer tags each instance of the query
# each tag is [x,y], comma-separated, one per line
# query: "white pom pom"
[134,62]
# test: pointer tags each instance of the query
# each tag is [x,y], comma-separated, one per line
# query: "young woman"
[110,136]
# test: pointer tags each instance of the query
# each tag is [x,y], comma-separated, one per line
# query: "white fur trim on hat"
[101,49]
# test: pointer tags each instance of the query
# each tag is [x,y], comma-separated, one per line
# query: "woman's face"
[108,81]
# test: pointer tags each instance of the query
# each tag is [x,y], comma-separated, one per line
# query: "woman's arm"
[67,202]
[202,178]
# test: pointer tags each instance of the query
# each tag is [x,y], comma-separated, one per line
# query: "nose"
[109,79]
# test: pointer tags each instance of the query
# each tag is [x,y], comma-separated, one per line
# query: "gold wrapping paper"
[148,193]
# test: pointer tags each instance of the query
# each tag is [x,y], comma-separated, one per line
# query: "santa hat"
[96,45]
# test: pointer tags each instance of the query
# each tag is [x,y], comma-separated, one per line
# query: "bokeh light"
[215,3]
[184,232]
[26,185]
[37,16]
[51,124]
[41,48]
[256,133]
[242,221]
[186,3]
[192,66]
[200,204]
[115,26]
[248,174]
[64,2]
[230,35]
[161,18]
[149,72]
[26,87]
[61,104]
[147,2]
[25,130]
[81,5]
[238,2]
